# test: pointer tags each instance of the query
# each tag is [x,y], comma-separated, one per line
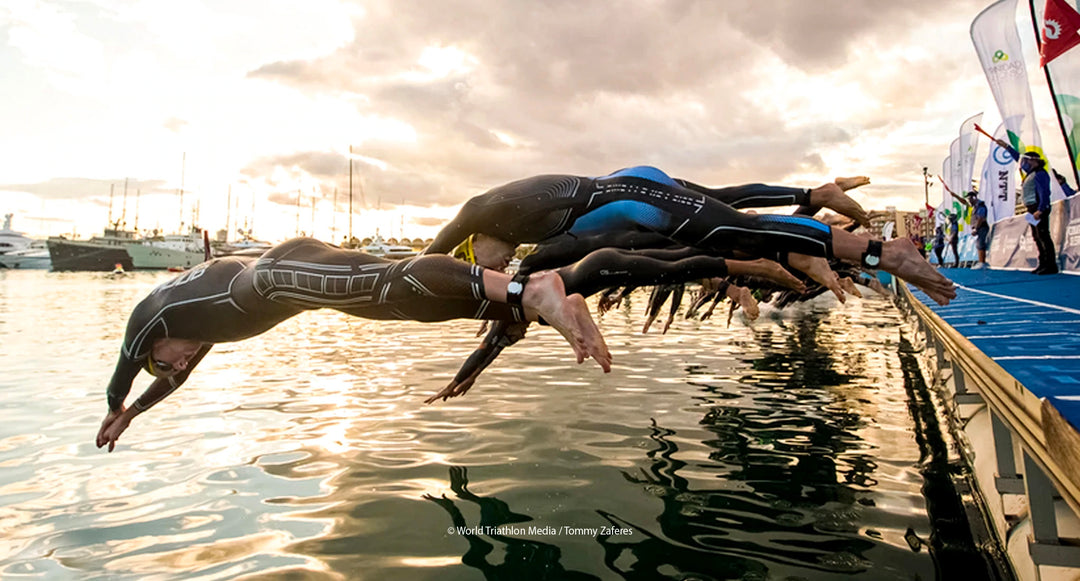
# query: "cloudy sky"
[441,100]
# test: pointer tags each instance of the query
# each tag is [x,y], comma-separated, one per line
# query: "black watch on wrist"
[872,257]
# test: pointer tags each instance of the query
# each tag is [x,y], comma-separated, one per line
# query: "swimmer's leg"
[545,297]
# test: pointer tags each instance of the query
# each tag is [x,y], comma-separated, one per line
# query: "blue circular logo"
[1002,155]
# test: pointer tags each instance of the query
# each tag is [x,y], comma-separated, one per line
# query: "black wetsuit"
[232,298]
[539,208]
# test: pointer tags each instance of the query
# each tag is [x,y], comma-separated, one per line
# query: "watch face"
[873,260]
[514,288]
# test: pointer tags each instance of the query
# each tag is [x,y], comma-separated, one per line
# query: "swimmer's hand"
[112,426]
[609,301]
[454,389]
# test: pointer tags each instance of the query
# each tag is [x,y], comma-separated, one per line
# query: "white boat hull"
[146,256]
[36,260]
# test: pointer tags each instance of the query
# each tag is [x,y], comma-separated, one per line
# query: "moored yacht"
[11,240]
[100,253]
[36,256]
[18,250]
[171,251]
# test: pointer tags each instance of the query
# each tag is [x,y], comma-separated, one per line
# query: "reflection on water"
[784,450]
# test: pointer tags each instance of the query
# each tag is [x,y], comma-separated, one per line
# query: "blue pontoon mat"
[1028,324]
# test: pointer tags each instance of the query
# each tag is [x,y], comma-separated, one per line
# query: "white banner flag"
[955,179]
[969,145]
[997,43]
[946,172]
[997,187]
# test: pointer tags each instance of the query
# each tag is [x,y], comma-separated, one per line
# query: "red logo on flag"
[1061,30]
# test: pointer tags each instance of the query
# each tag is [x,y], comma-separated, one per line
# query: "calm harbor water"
[781,450]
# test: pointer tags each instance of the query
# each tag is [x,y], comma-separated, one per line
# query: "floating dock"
[1009,345]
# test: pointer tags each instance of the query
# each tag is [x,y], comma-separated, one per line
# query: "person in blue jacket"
[1036,191]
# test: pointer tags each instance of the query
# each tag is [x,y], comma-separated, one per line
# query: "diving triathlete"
[233,298]
[538,208]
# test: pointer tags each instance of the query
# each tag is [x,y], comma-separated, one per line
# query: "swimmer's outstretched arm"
[501,335]
[118,418]
[453,233]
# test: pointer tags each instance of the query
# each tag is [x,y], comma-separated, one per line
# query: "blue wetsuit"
[536,209]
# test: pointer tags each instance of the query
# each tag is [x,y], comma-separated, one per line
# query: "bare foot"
[852,182]
[767,269]
[568,314]
[832,196]
[849,286]
[744,298]
[818,269]
[900,258]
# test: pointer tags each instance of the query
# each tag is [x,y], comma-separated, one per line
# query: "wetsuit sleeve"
[453,233]
[120,384]
[753,195]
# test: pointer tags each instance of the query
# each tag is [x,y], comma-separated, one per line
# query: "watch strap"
[872,257]
[515,291]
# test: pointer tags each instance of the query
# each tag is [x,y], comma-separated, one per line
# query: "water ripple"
[778,450]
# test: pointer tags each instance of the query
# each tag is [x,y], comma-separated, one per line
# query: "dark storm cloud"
[80,188]
[588,87]
[818,35]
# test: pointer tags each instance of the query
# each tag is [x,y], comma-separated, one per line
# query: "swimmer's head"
[486,251]
[169,357]
[464,251]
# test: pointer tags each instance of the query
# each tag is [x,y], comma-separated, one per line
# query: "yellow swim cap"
[464,251]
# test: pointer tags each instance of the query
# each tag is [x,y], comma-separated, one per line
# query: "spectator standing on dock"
[1036,190]
[939,245]
[954,237]
[980,225]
